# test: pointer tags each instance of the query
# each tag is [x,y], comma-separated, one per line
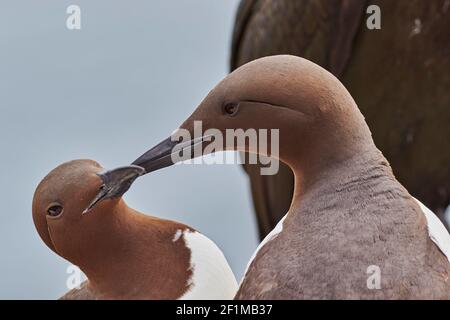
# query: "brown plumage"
[397,75]
[125,254]
[349,212]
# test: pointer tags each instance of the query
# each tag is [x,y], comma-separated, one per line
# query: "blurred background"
[108,92]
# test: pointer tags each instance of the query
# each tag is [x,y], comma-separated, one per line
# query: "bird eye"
[231,108]
[54,210]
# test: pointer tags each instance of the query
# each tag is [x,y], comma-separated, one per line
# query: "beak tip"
[88,209]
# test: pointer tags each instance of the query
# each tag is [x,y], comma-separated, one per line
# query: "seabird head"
[64,196]
[284,92]
[317,119]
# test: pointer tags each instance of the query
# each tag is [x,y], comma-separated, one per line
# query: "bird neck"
[365,171]
[132,253]
[102,239]
[334,143]
[109,246]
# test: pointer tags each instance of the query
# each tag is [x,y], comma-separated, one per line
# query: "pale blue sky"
[107,92]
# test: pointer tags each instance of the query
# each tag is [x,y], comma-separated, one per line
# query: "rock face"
[398,76]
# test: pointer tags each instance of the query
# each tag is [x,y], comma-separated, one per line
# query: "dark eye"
[55,210]
[231,108]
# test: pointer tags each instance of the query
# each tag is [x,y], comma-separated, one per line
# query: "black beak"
[115,183]
[168,152]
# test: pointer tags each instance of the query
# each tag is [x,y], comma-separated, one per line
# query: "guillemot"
[348,214]
[125,254]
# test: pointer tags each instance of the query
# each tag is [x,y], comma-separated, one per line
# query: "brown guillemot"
[125,254]
[348,213]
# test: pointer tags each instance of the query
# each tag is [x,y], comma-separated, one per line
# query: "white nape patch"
[177,235]
[212,278]
[272,235]
[436,230]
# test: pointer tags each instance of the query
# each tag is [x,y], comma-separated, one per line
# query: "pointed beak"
[115,183]
[168,152]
